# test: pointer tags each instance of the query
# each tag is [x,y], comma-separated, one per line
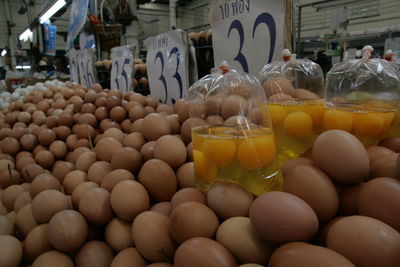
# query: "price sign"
[122,67]
[167,65]
[86,67]
[248,33]
[73,65]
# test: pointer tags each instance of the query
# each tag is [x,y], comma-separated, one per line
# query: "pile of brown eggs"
[92,177]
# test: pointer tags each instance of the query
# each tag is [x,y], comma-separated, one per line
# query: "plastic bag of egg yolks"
[295,91]
[233,139]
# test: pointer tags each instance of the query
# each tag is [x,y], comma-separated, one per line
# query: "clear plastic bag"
[300,79]
[295,90]
[362,96]
[237,143]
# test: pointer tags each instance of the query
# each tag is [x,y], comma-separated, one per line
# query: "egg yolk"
[197,140]
[256,152]
[219,151]
[203,168]
[316,112]
[388,118]
[278,114]
[336,119]
[369,125]
[298,124]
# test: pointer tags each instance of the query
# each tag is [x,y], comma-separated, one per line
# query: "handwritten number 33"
[265,18]
[177,76]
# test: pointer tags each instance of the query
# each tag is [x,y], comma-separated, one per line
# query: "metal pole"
[172,13]
[298,42]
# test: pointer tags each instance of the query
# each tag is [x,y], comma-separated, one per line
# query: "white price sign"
[73,65]
[122,67]
[248,33]
[167,66]
[86,67]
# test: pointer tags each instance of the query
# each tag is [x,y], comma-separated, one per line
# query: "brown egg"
[342,156]
[355,237]
[80,190]
[237,235]
[11,251]
[192,219]
[71,141]
[24,221]
[214,120]
[155,126]
[185,175]
[58,149]
[126,126]
[186,195]
[46,137]
[385,167]
[17,132]
[126,158]
[77,152]
[233,105]
[306,255]
[67,230]
[23,154]
[138,98]
[159,179]
[229,200]
[111,179]
[53,258]
[112,101]
[186,128]
[128,199]
[83,131]
[317,190]
[95,206]
[393,143]
[10,145]
[5,164]
[73,179]
[94,253]
[147,150]
[98,170]
[377,152]
[10,194]
[136,112]
[22,200]
[101,113]
[47,203]
[36,242]
[85,160]
[118,114]
[44,158]
[150,233]
[160,264]
[6,226]
[61,169]
[164,208]
[88,108]
[65,119]
[38,148]
[3,210]
[31,171]
[128,257]
[380,199]
[279,97]
[200,252]
[151,102]
[134,140]
[250,265]
[292,163]
[348,199]
[137,126]
[118,234]
[281,217]
[9,177]
[174,123]
[174,157]
[278,85]
[106,147]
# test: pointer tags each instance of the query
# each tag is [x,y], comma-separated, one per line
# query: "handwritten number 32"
[177,76]
[263,18]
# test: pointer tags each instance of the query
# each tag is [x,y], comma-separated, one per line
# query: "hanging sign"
[167,65]
[73,56]
[77,19]
[248,33]
[122,68]
[87,74]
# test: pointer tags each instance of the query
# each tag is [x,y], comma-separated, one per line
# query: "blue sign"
[49,34]
[77,19]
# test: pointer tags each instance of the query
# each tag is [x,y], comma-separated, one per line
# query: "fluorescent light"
[27,34]
[52,10]
[23,67]
[4,52]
